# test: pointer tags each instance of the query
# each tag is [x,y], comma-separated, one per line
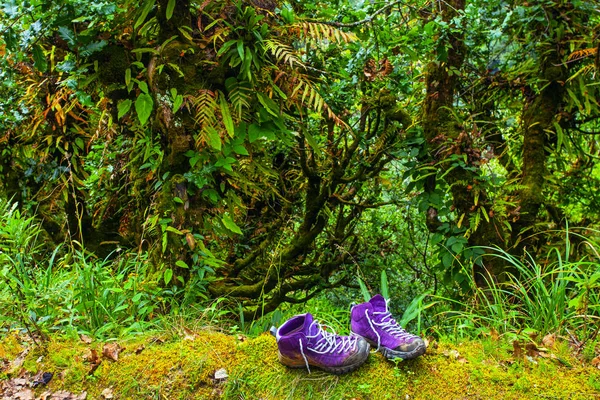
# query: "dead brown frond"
[319,32]
[581,54]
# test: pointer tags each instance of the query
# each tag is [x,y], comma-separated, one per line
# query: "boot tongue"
[379,304]
[310,329]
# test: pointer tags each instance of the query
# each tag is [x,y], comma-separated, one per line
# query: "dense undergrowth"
[72,291]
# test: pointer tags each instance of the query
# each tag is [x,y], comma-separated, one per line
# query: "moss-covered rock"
[184,368]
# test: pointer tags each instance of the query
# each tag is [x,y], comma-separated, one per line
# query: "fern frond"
[240,95]
[283,53]
[308,96]
[579,54]
[205,104]
[319,32]
[582,71]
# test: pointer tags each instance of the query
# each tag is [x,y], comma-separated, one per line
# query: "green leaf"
[93,47]
[240,48]
[170,8]
[10,38]
[364,290]
[256,132]
[143,107]
[124,107]
[39,58]
[143,86]
[182,264]
[229,224]
[127,76]
[67,35]
[146,8]
[269,104]
[227,121]
[212,138]
[177,103]
[225,163]
[241,150]
[168,275]
[384,285]
[311,141]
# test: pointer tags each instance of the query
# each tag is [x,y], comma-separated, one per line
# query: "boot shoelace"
[388,324]
[328,343]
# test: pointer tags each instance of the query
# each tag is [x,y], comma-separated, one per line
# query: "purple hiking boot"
[303,343]
[373,321]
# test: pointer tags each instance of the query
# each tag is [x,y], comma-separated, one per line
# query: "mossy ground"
[183,368]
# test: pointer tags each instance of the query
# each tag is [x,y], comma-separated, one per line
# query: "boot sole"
[299,364]
[405,355]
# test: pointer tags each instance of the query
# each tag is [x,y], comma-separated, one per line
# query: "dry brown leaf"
[107,394]
[596,362]
[18,361]
[111,351]
[93,359]
[494,334]
[64,395]
[532,350]
[85,339]
[548,340]
[139,349]
[517,350]
[24,394]
[189,334]
[453,354]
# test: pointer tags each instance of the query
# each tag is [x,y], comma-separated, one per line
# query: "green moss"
[184,369]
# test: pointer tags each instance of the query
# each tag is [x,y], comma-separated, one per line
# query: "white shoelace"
[388,324]
[328,343]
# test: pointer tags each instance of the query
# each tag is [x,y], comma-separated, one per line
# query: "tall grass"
[553,295]
[70,290]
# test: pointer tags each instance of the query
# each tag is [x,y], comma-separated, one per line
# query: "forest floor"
[207,364]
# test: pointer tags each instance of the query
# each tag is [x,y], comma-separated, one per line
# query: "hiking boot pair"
[304,342]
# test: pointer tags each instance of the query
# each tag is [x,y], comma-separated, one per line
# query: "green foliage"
[540,297]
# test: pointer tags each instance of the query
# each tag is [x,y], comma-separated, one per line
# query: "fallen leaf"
[139,349]
[25,394]
[111,351]
[93,359]
[549,339]
[221,375]
[18,361]
[107,394]
[596,362]
[85,339]
[517,350]
[494,334]
[453,354]
[189,334]
[64,395]
[532,350]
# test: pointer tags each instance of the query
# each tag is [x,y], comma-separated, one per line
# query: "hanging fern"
[240,95]
[283,53]
[205,105]
[319,32]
